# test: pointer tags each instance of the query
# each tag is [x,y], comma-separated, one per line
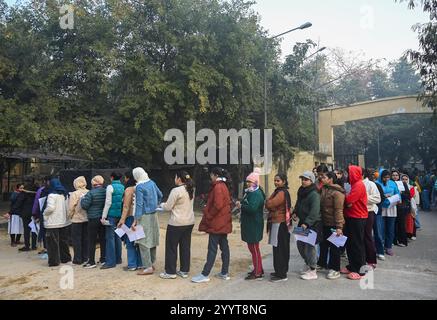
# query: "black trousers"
[79,237]
[95,228]
[401,232]
[28,233]
[178,236]
[327,246]
[354,230]
[57,246]
[281,253]
[369,240]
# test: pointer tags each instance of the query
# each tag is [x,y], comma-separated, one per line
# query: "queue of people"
[374,210]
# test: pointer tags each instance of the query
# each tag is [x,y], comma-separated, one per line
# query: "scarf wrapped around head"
[57,188]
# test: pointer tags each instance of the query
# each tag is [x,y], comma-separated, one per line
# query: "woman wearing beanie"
[79,219]
[56,222]
[252,222]
[308,211]
[94,202]
[181,223]
[278,221]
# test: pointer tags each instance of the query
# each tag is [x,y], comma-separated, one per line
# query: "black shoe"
[105,266]
[278,279]
[252,276]
[24,249]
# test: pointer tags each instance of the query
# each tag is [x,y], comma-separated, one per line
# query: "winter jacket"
[55,213]
[181,207]
[24,202]
[75,212]
[356,200]
[217,218]
[147,198]
[94,202]
[113,200]
[252,216]
[373,195]
[331,206]
[276,205]
[308,206]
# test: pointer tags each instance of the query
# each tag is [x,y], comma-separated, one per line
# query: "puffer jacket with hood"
[356,200]
[331,206]
[75,211]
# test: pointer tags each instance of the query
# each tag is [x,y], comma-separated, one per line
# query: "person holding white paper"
[389,214]
[127,218]
[278,223]
[180,226]
[147,198]
[307,209]
[403,209]
[331,209]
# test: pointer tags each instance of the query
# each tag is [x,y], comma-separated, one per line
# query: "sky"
[377,28]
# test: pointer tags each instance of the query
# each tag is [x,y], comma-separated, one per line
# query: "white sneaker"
[165,275]
[182,274]
[310,275]
[381,257]
[413,238]
[223,276]
[305,270]
[199,278]
[332,275]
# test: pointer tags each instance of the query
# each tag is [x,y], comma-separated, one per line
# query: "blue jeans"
[417,221]
[378,233]
[216,240]
[133,252]
[434,197]
[113,243]
[389,231]
[425,200]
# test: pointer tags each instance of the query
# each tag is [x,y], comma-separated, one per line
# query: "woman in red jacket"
[356,217]
[217,221]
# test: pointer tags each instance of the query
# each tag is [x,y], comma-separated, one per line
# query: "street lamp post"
[303,26]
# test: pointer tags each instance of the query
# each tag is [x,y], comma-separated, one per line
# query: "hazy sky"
[379,28]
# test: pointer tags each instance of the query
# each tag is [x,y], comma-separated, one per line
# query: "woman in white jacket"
[180,226]
[56,222]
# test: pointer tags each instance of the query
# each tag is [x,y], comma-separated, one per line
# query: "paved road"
[410,274]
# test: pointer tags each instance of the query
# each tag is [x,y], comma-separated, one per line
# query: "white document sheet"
[337,241]
[310,239]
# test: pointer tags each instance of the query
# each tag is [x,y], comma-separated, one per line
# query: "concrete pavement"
[410,274]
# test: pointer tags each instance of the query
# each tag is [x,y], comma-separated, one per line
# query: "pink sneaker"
[345,271]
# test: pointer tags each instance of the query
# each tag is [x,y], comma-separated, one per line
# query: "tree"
[426,57]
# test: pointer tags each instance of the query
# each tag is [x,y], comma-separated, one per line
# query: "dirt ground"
[23,275]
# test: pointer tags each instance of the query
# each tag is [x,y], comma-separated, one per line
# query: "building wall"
[303,161]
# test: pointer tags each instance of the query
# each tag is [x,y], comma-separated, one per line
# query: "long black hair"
[131,180]
[284,178]
[187,181]
[223,173]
